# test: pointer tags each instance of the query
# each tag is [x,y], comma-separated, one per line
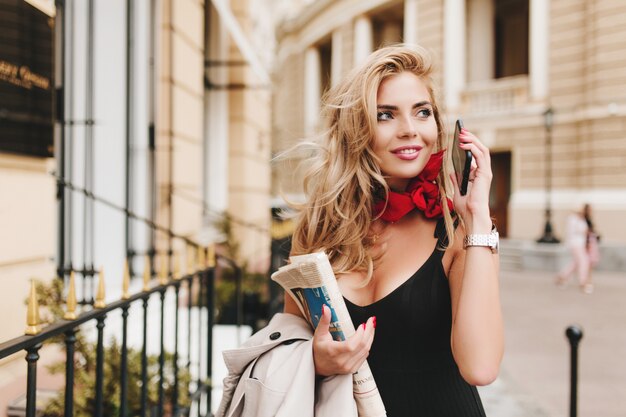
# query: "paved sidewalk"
[534,379]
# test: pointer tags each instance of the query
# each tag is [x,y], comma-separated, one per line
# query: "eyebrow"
[416,105]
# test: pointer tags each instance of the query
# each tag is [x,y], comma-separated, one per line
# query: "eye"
[384,115]
[424,113]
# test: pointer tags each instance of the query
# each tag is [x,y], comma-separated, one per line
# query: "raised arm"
[477,337]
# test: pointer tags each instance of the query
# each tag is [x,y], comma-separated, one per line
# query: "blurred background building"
[540,82]
[117,115]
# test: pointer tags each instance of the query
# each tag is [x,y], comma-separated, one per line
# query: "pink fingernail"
[363,326]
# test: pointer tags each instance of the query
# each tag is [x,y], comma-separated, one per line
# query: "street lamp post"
[548,235]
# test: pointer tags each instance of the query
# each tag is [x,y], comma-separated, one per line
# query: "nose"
[407,128]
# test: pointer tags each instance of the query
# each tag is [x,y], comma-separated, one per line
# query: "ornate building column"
[363,38]
[411,14]
[481,40]
[336,70]
[454,60]
[312,89]
[539,49]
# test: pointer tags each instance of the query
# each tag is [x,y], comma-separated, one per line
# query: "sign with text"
[26,79]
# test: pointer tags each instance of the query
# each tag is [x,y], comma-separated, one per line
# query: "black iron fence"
[199,289]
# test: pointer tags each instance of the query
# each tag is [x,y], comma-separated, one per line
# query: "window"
[388,25]
[511,37]
[325,51]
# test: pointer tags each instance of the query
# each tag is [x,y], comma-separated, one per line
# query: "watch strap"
[490,240]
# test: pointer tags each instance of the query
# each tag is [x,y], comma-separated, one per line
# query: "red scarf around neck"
[421,193]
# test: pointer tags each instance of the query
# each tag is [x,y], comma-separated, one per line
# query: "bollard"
[574,334]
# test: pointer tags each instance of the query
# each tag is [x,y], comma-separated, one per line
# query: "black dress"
[411,357]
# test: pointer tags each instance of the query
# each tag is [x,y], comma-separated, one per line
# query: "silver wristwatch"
[492,241]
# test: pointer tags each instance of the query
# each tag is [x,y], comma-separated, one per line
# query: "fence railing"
[199,287]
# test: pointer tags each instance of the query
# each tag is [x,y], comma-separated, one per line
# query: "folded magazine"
[310,281]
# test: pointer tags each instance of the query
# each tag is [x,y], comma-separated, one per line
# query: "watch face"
[495,240]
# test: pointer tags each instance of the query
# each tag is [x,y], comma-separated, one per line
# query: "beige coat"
[273,374]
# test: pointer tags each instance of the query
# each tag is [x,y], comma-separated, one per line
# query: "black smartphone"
[461,159]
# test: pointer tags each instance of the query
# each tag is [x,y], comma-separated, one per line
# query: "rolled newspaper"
[310,281]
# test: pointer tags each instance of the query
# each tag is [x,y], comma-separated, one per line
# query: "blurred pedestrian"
[576,242]
[593,242]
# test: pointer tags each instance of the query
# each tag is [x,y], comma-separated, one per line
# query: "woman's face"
[406,130]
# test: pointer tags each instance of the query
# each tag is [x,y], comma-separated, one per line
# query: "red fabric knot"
[422,193]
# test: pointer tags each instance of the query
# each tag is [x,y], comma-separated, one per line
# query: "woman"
[427,310]
[593,248]
[584,252]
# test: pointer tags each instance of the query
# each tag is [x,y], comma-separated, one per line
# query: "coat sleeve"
[271,360]
[230,384]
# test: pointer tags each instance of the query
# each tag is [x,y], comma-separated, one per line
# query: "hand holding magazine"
[310,281]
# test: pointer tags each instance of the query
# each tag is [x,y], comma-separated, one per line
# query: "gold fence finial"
[125,281]
[70,314]
[163,269]
[201,258]
[33,325]
[99,303]
[211,256]
[177,274]
[147,274]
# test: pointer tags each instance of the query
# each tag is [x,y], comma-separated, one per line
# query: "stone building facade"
[196,78]
[500,66]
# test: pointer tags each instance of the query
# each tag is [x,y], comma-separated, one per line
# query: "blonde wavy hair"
[344,177]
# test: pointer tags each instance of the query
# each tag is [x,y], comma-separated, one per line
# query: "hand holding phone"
[461,160]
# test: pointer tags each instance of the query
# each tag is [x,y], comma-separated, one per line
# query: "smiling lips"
[407,153]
